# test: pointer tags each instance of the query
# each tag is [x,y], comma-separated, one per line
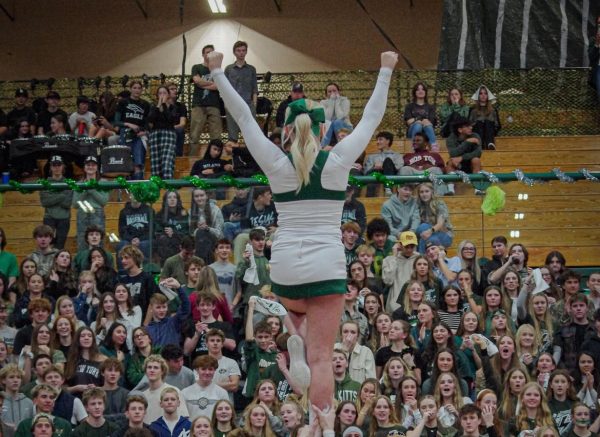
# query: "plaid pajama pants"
[162,152]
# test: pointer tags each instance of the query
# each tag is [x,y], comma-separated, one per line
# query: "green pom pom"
[145,192]
[494,200]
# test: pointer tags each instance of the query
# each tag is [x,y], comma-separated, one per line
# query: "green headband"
[317,115]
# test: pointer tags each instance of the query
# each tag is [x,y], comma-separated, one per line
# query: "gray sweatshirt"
[401,216]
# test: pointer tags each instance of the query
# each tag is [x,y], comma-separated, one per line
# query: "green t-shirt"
[257,362]
[62,428]
[380,254]
[84,429]
[8,265]
[81,260]
[346,390]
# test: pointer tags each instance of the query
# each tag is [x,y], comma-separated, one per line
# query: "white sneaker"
[450,191]
[479,192]
[388,191]
[299,369]
[268,307]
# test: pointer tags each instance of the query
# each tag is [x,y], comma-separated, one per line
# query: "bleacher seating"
[557,215]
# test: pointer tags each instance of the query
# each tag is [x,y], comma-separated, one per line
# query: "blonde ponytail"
[304,149]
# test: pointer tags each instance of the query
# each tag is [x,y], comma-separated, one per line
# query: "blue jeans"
[138,151]
[416,128]
[334,128]
[231,230]
[442,237]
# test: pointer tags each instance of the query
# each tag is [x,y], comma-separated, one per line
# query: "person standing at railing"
[163,139]
[205,105]
[57,205]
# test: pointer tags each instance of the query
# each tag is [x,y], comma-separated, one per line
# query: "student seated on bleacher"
[212,166]
[486,122]
[464,147]
[423,159]
[174,266]
[260,269]
[385,161]
[453,107]
[420,116]
[172,225]
[195,331]
[134,227]
[354,209]
[401,211]
[337,112]
[435,212]
[140,284]
[260,213]
[296,92]
[21,111]
[52,109]
[206,223]
[82,120]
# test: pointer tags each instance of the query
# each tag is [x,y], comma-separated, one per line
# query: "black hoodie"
[135,222]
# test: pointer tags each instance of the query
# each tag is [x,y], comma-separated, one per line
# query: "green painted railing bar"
[216,183]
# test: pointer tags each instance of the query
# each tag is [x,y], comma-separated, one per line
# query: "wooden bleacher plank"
[516,143]
[551,188]
[539,203]
[532,220]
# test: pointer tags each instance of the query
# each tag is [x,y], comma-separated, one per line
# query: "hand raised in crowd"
[388,59]
[215,60]
[172,283]
[281,362]
[487,413]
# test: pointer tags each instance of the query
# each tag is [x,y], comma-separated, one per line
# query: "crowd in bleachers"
[93,343]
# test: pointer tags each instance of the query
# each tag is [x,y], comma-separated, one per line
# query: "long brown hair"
[195,211]
[483,110]
[108,108]
[75,352]
[102,313]
[55,337]
[393,419]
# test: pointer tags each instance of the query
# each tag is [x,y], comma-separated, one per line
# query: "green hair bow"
[317,115]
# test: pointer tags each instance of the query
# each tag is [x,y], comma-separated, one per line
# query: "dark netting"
[537,102]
